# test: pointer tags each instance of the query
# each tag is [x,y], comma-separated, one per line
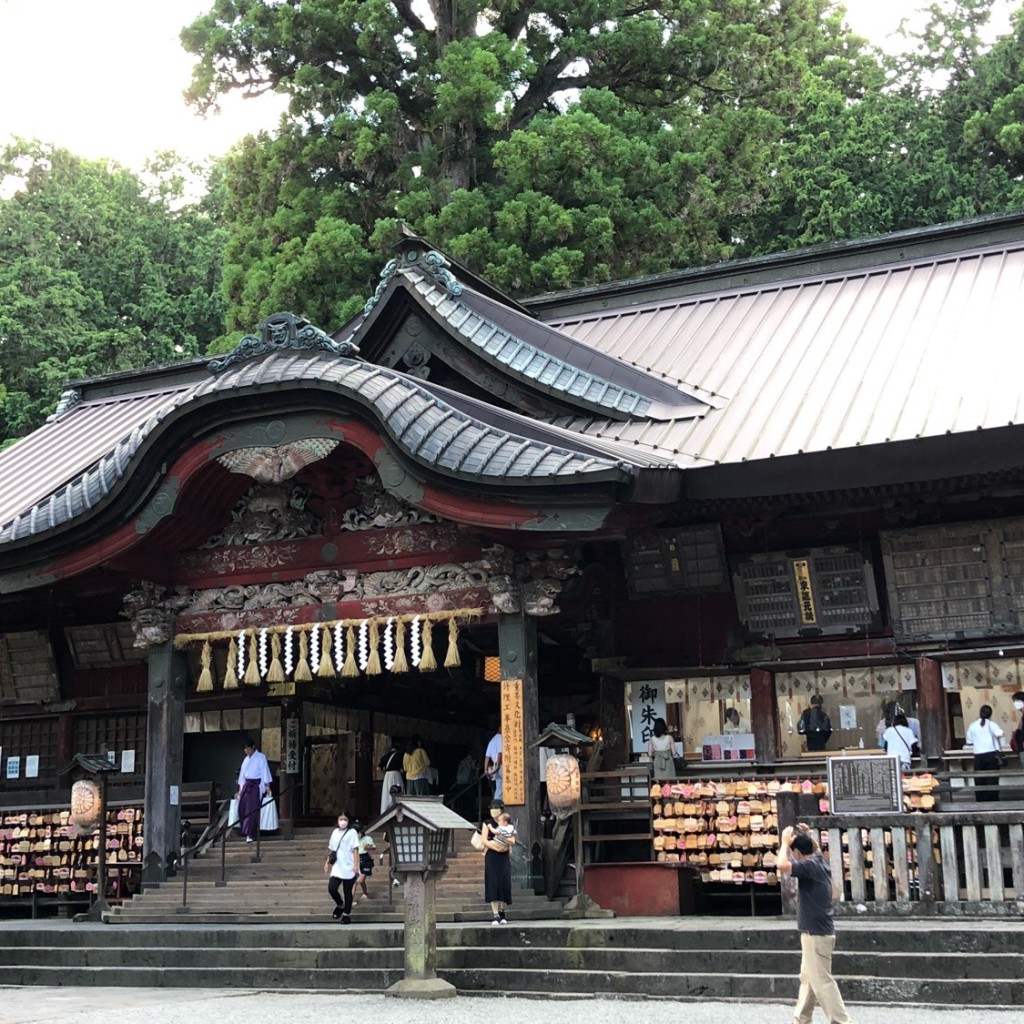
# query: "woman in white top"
[983,736]
[342,867]
[660,748]
[899,740]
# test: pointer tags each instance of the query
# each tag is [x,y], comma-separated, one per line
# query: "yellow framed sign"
[513,761]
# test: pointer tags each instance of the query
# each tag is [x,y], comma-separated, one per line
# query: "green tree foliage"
[545,143]
[924,137]
[99,271]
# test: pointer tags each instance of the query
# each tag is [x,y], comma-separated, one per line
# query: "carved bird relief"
[268,465]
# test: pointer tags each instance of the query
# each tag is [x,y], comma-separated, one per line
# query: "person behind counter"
[732,721]
[815,725]
[660,748]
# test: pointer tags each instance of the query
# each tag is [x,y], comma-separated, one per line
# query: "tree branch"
[543,87]
[409,16]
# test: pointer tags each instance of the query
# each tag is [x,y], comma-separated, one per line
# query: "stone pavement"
[206,1006]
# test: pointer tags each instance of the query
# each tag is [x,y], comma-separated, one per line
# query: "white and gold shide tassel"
[302,652]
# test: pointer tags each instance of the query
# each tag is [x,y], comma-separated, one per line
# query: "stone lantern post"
[419,829]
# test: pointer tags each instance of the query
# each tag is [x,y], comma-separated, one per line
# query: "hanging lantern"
[562,776]
[86,806]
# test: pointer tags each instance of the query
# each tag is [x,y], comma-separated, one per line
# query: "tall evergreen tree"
[545,143]
[99,271]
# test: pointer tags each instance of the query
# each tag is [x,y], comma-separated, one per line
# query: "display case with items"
[727,829]
[40,852]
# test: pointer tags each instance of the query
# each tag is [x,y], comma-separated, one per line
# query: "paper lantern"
[562,776]
[86,805]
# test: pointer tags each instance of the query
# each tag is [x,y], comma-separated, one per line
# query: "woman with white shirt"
[899,741]
[984,735]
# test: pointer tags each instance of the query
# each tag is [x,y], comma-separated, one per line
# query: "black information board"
[865,785]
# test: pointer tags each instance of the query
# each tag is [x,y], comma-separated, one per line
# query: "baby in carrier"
[505,833]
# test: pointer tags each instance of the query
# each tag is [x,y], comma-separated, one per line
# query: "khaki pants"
[817,986]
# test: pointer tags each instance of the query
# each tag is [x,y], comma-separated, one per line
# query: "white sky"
[104,78]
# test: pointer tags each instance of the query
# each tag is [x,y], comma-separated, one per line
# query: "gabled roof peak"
[414,256]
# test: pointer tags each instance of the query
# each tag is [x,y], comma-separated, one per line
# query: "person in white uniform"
[254,780]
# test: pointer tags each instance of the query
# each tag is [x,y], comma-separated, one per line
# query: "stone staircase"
[933,963]
[288,886]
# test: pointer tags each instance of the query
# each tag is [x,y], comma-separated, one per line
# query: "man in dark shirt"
[800,856]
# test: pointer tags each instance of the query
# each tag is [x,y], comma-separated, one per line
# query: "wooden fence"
[960,864]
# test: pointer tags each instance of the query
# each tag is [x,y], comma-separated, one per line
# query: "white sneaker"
[248,839]
[496,922]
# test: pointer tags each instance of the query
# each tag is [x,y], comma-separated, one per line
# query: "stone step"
[669,936]
[367,977]
[651,961]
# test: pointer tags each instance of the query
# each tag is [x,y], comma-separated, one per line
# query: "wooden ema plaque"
[865,785]
[513,767]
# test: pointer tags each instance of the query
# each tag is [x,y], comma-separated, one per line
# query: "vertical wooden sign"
[513,756]
[292,748]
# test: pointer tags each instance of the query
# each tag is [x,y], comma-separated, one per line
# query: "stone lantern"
[89,813]
[419,830]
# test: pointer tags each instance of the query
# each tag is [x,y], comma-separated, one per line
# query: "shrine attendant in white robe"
[253,781]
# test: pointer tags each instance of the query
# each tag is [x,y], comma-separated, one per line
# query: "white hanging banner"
[647,704]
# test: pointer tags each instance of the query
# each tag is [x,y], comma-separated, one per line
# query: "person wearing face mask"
[342,867]
[1017,736]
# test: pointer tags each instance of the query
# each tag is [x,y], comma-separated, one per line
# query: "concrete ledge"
[422,988]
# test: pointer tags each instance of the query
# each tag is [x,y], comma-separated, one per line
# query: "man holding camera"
[800,856]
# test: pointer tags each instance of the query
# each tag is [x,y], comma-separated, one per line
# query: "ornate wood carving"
[531,582]
[274,465]
[268,513]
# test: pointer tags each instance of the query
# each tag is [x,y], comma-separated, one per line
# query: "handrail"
[451,799]
[220,832]
[562,854]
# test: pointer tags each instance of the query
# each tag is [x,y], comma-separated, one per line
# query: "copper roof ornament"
[283,332]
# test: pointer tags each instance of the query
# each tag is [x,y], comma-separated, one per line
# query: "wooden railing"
[615,807]
[964,863]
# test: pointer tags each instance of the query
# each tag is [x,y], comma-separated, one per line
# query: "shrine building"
[719,490]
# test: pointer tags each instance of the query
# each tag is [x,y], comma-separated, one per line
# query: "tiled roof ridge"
[428,276]
[428,429]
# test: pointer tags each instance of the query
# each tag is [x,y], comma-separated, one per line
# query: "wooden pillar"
[66,738]
[364,776]
[764,716]
[165,727]
[931,707]
[614,739]
[290,804]
[517,642]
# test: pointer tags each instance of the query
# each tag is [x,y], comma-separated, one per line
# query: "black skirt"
[497,877]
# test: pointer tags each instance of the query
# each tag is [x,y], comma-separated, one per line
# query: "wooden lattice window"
[28,672]
[24,738]
[113,733]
